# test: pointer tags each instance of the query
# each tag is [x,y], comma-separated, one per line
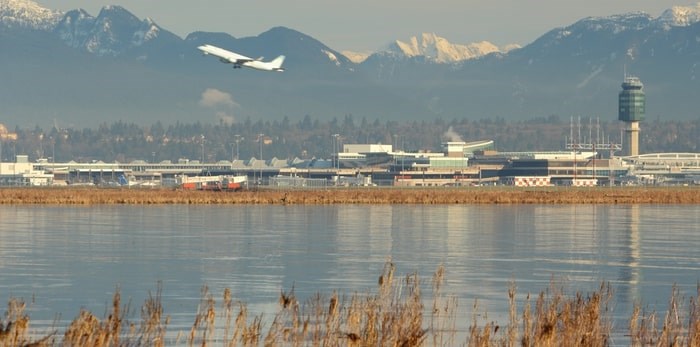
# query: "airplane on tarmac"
[238,60]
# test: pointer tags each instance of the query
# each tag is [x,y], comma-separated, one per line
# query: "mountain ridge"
[439,50]
[681,15]
[118,66]
[430,46]
[29,13]
[25,13]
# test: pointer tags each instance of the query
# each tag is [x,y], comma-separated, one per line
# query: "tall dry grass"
[396,314]
[14,328]
[373,195]
[678,327]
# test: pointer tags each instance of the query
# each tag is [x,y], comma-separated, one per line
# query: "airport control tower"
[632,104]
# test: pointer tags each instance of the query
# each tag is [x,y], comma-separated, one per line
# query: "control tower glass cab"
[632,102]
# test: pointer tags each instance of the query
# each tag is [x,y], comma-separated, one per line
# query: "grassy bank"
[396,314]
[374,195]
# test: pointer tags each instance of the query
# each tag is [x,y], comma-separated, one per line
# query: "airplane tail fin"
[277,63]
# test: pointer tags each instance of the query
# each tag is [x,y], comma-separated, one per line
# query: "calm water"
[61,259]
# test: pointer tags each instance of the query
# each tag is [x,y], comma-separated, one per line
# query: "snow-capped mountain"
[74,28]
[680,16]
[439,50]
[356,57]
[677,16]
[612,39]
[27,14]
[115,65]
[113,32]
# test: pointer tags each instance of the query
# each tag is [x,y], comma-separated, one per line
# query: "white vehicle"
[239,60]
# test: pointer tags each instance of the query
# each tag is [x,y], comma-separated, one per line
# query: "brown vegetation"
[396,315]
[373,195]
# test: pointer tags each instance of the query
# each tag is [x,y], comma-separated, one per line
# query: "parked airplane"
[238,60]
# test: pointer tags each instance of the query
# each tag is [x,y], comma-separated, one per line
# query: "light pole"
[238,139]
[261,139]
[394,149]
[337,156]
[202,162]
[41,145]
[335,151]
[53,149]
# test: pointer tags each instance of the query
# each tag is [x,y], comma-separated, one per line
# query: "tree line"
[314,138]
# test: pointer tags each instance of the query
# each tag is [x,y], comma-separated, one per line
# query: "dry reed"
[676,329]
[394,315]
[373,195]
[14,329]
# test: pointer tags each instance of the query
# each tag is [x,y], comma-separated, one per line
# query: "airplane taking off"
[238,60]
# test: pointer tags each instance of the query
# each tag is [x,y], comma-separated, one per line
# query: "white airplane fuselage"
[239,60]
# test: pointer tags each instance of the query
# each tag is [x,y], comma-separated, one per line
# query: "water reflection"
[73,257]
[630,274]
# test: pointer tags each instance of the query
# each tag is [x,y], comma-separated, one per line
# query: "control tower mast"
[632,105]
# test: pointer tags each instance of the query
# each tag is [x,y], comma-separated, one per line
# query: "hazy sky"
[367,25]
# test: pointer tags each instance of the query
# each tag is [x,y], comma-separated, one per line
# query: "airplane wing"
[225,55]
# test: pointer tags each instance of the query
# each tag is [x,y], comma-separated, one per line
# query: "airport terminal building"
[459,164]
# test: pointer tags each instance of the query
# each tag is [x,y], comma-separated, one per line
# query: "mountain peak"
[680,16]
[27,13]
[118,13]
[440,50]
[356,57]
[114,9]
[114,31]
[615,24]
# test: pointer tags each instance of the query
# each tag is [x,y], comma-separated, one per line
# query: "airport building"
[632,108]
[460,164]
[23,173]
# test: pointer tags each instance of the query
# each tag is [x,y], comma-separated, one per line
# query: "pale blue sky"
[367,25]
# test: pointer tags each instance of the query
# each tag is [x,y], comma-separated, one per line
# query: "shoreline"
[330,196]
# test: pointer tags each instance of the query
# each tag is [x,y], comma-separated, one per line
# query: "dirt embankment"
[496,195]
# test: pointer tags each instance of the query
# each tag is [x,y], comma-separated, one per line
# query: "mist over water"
[62,259]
